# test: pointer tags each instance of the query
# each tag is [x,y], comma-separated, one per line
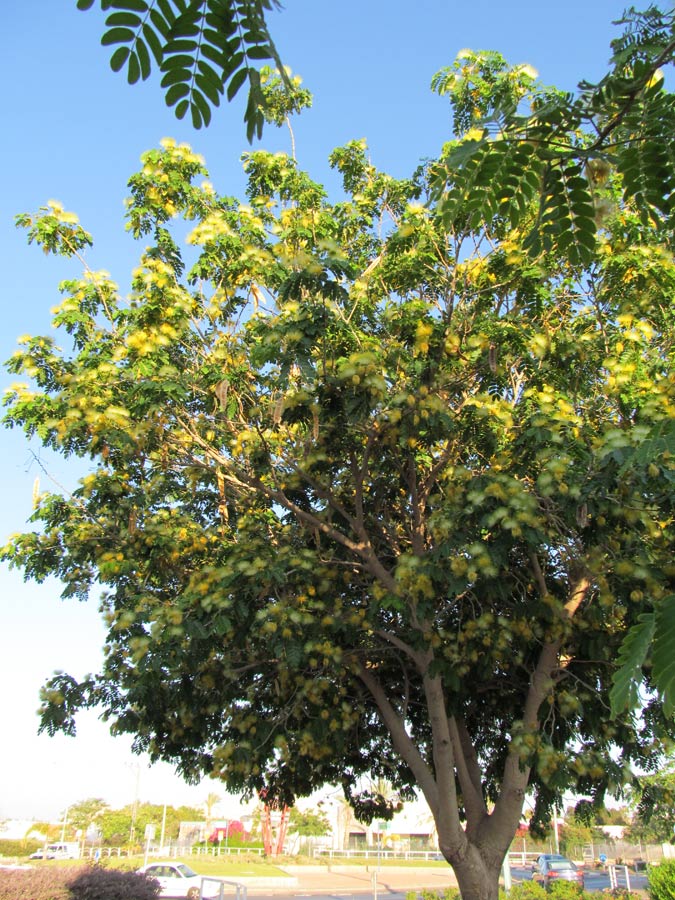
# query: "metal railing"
[240,890]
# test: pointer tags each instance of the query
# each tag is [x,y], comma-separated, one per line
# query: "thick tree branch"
[401,739]
[468,774]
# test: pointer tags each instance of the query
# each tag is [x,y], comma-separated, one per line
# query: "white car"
[178,880]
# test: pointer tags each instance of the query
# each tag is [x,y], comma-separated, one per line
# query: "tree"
[654,808]
[85,813]
[205,49]
[212,800]
[116,824]
[208,46]
[574,834]
[308,823]
[366,494]
[622,124]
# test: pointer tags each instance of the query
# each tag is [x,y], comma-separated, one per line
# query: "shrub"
[19,848]
[528,890]
[662,881]
[35,884]
[98,883]
[565,890]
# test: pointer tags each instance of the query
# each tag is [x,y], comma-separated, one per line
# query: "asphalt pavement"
[392,882]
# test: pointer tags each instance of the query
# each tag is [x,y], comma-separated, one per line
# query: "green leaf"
[85,4]
[624,694]
[236,82]
[204,109]
[663,657]
[117,36]
[176,92]
[174,76]
[133,69]
[119,58]
[154,43]
[181,46]
[180,60]
[210,90]
[143,59]
[259,51]
[135,5]
[124,18]
[161,24]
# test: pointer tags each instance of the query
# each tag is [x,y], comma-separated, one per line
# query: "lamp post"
[65,822]
[161,839]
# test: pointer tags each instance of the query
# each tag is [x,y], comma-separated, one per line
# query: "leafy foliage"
[369,491]
[99,883]
[205,49]
[23,847]
[654,804]
[530,140]
[662,880]
[308,822]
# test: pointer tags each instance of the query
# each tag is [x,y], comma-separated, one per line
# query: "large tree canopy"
[368,490]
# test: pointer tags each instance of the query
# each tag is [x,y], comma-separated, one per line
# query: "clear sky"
[74,131]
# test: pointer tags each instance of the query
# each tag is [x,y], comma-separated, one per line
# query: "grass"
[225,868]
[202,865]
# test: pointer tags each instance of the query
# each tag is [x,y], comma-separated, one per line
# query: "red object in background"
[224,833]
[274,828]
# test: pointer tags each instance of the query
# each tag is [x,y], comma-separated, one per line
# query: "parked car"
[550,857]
[65,850]
[178,880]
[550,868]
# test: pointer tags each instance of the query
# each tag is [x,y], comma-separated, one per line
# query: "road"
[595,879]
[357,884]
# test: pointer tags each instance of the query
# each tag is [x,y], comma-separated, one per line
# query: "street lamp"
[65,822]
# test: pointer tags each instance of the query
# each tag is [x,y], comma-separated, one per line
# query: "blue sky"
[74,131]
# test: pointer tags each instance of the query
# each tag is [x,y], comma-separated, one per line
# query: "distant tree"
[115,824]
[85,813]
[654,808]
[308,822]
[212,800]
[612,816]
[574,833]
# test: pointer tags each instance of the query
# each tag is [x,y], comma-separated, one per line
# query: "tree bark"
[477,872]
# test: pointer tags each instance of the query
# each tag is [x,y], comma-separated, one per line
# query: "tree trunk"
[477,873]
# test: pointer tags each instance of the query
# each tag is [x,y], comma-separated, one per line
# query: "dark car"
[549,857]
[550,868]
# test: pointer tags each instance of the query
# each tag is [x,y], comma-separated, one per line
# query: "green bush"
[19,848]
[528,890]
[662,881]
[35,884]
[98,883]
[565,890]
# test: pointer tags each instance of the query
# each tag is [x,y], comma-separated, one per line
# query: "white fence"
[374,853]
[170,852]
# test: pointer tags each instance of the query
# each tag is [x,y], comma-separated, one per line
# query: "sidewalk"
[357,879]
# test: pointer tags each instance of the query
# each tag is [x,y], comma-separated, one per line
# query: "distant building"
[21,829]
